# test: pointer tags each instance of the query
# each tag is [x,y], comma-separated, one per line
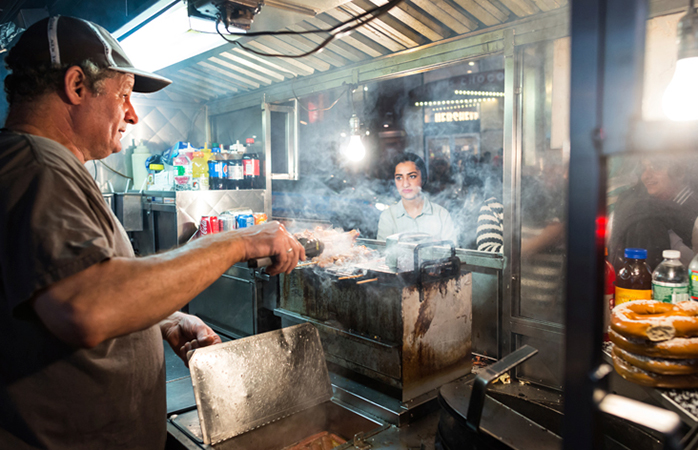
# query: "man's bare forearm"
[122,295]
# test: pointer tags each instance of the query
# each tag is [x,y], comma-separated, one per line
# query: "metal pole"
[583,311]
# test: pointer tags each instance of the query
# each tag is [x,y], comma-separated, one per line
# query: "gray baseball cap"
[63,39]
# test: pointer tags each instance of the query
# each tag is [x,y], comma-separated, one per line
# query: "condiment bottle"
[634,280]
[609,299]
[670,279]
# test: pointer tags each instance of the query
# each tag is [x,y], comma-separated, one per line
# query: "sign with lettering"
[456,116]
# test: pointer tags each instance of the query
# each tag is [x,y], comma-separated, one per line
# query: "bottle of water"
[670,279]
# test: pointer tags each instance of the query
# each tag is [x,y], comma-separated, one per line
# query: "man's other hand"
[185,332]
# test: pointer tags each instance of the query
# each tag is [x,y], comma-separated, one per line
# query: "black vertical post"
[586,202]
[606,93]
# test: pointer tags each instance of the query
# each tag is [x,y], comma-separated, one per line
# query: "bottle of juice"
[199,171]
[670,279]
[634,280]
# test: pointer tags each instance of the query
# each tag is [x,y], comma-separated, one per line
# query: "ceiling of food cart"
[228,70]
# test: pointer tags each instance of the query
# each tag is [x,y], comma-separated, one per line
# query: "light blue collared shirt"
[433,220]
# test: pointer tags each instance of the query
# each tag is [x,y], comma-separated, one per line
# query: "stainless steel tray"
[247,383]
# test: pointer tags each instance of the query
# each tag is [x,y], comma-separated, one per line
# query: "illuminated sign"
[456,116]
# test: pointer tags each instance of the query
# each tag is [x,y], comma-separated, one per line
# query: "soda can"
[245,220]
[214,224]
[259,218]
[205,226]
[226,222]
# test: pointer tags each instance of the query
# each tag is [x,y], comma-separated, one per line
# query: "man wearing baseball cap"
[81,319]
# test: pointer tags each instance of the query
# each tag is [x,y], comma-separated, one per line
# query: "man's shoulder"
[19,151]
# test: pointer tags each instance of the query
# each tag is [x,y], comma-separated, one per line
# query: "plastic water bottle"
[670,279]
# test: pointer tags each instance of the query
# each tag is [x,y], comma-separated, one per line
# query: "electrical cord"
[113,170]
[334,32]
[300,103]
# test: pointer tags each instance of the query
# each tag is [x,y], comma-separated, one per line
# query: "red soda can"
[214,224]
[205,226]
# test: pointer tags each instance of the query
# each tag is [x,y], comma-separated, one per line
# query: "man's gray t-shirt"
[54,223]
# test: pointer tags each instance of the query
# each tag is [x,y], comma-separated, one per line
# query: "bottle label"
[628,295]
[670,292]
[251,167]
[693,279]
[235,172]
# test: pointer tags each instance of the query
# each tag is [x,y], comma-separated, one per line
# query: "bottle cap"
[636,253]
[671,254]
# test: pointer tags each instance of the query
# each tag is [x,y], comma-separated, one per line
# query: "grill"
[406,332]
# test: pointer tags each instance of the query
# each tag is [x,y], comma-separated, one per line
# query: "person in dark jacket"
[658,213]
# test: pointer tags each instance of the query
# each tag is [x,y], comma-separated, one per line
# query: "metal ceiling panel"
[447,15]
[229,71]
[279,76]
[402,14]
[236,68]
[337,47]
[239,81]
[483,11]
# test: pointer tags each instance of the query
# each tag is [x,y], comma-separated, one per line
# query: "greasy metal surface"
[436,343]
[498,420]
[327,416]
[382,330]
[487,376]
[248,383]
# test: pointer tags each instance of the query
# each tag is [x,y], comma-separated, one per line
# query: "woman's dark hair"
[419,162]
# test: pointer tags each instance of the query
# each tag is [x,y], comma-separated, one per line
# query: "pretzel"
[655,321]
[658,365]
[677,348]
[639,376]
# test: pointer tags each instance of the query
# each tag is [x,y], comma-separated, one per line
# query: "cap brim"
[145,82]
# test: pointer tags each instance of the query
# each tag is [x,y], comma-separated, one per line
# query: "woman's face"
[408,180]
[658,181]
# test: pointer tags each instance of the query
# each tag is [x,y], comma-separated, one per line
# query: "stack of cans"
[230,220]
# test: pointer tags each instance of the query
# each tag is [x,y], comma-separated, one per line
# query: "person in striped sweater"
[490,226]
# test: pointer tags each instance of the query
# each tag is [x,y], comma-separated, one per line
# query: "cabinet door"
[229,304]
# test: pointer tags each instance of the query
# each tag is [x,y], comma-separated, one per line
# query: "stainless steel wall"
[164,119]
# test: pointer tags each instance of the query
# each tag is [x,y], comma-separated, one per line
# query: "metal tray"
[327,416]
[247,383]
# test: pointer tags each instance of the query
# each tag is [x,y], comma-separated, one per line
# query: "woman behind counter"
[414,211]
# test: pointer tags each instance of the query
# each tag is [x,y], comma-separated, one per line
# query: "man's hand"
[185,332]
[272,239]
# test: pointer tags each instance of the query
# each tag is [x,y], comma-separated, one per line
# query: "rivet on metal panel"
[360,443]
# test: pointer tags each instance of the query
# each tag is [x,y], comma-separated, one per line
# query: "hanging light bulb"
[680,101]
[355,150]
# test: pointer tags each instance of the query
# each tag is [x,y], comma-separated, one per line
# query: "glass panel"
[547,366]
[240,125]
[660,60]
[544,163]
[279,142]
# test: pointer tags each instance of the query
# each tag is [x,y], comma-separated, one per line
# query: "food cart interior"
[548,106]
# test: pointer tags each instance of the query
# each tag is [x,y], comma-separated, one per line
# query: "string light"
[463,102]
[480,93]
